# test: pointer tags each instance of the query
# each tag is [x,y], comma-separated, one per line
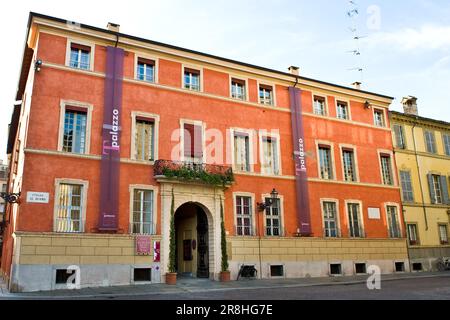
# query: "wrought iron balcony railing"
[195,172]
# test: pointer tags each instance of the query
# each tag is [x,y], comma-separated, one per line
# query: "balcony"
[194,172]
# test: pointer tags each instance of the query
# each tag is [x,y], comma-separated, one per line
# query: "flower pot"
[225,276]
[171,279]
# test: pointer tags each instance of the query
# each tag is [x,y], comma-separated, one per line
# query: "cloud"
[427,37]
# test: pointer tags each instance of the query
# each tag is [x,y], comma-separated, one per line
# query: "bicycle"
[443,264]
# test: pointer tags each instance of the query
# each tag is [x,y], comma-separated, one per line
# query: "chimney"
[410,105]
[294,70]
[357,85]
[113,27]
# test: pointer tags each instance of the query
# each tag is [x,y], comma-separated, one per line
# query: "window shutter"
[198,146]
[444,186]
[189,140]
[431,187]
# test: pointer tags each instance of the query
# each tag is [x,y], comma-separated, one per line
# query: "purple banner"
[301,177]
[110,165]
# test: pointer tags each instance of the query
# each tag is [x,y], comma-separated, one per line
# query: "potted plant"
[225,273]
[171,276]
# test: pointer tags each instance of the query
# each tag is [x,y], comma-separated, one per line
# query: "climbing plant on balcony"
[187,173]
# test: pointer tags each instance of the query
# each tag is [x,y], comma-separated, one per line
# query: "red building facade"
[194,133]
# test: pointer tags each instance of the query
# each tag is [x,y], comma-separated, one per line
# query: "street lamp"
[269,202]
[10,197]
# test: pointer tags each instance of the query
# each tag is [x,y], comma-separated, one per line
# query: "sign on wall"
[37,197]
[143,245]
[374,214]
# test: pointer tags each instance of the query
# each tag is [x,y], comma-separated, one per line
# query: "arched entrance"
[192,241]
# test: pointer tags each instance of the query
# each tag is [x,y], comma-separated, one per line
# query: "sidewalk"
[203,285]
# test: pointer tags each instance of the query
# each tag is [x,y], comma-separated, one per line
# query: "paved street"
[396,287]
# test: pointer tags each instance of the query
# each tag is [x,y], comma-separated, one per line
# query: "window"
[142,212]
[336,269]
[386,170]
[379,118]
[270,165]
[443,234]
[407,191]
[192,79]
[446,138]
[63,276]
[145,70]
[413,239]
[266,95]
[273,223]
[69,208]
[348,159]
[243,216]
[438,189]
[399,134]
[393,222]
[430,142]
[144,139]
[74,136]
[355,228]
[3,188]
[276,271]
[142,274]
[241,152]
[399,267]
[238,89]
[330,220]
[80,56]
[325,162]
[193,143]
[342,110]
[417,266]
[319,106]
[360,268]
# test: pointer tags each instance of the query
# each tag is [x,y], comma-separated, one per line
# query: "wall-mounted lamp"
[269,202]
[37,65]
[367,105]
[10,197]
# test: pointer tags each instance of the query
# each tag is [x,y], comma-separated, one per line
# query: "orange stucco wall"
[52,85]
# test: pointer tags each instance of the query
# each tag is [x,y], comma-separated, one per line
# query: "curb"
[184,290]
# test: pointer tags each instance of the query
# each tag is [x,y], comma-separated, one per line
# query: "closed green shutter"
[431,187]
[444,186]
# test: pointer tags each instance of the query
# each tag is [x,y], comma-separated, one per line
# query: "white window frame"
[394,176]
[85,185]
[193,67]
[274,96]
[253,213]
[323,96]
[196,123]
[439,232]
[383,111]
[281,215]
[252,150]
[245,80]
[267,134]
[399,218]
[408,234]
[62,113]
[333,165]
[337,99]
[355,160]
[138,55]
[361,218]
[145,187]
[155,117]
[84,43]
[338,217]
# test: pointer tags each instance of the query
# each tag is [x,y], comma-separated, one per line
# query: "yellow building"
[422,153]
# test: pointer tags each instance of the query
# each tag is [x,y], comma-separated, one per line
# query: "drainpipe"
[420,178]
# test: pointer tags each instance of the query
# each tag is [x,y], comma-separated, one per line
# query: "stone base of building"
[41,260]
[426,258]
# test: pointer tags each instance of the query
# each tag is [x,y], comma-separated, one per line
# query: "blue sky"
[406,50]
